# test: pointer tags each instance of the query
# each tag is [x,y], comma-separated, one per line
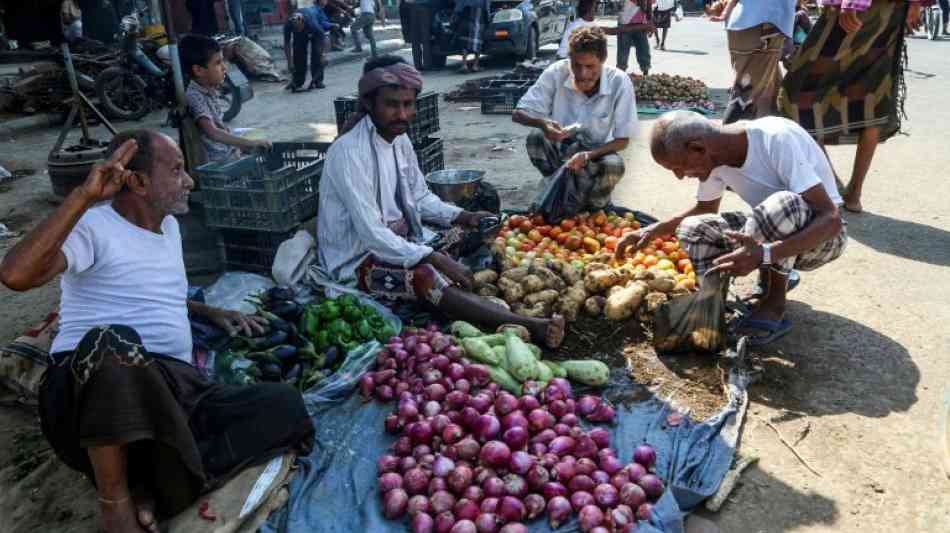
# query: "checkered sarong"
[779,216]
[597,180]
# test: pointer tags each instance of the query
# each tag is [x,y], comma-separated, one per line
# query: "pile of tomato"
[589,237]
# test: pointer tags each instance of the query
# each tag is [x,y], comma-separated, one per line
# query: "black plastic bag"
[694,323]
[560,197]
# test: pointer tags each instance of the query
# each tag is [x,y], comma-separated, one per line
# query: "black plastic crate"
[425,124]
[272,191]
[500,97]
[252,251]
[430,155]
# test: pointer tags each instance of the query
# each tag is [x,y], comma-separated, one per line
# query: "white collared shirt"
[351,224]
[610,114]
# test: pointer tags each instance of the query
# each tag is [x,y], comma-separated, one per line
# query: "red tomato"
[516,220]
[555,232]
[526,226]
[527,246]
[563,237]
[568,224]
[544,230]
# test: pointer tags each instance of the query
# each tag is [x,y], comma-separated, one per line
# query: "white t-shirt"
[781,157]
[120,273]
[566,38]
[368,6]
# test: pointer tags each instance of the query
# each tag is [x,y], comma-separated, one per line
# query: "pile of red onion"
[471,458]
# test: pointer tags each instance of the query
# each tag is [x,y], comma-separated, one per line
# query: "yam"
[569,308]
[653,300]
[643,275]
[662,284]
[594,305]
[575,293]
[555,265]
[593,267]
[538,310]
[601,280]
[623,304]
[532,284]
[487,290]
[615,289]
[550,279]
[513,294]
[571,275]
[545,296]
[485,277]
[515,274]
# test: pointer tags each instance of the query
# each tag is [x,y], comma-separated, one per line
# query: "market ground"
[858,383]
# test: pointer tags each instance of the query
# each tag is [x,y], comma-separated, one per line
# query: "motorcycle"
[138,85]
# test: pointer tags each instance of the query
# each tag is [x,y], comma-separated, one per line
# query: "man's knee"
[693,226]
[427,283]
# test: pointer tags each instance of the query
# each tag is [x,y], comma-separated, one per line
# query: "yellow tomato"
[665,264]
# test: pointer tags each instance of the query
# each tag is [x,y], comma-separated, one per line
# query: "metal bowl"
[455,186]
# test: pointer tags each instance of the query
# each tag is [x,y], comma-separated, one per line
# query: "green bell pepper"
[329,311]
[364,330]
[347,300]
[352,314]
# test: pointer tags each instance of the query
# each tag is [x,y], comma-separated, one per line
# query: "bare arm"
[640,238]
[38,257]
[218,135]
[726,11]
[552,130]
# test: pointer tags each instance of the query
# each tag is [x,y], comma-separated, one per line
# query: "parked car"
[516,27]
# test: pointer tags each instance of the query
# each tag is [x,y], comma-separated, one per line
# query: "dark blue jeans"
[638,40]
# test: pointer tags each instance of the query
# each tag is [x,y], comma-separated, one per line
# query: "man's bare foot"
[851,203]
[121,517]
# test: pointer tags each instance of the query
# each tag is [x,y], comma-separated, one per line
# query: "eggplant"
[331,356]
[286,309]
[275,321]
[270,371]
[276,294]
[292,375]
[285,352]
[274,338]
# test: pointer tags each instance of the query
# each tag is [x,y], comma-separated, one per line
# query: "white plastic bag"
[679,13]
[230,290]
[293,259]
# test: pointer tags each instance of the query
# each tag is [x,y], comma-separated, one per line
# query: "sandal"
[774,329]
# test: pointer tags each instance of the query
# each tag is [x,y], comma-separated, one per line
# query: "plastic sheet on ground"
[335,489]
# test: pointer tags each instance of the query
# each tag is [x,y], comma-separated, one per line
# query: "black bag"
[560,197]
[694,323]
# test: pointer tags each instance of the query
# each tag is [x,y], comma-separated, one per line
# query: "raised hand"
[107,178]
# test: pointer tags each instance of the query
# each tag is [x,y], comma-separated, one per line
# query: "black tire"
[531,49]
[122,94]
[232,98]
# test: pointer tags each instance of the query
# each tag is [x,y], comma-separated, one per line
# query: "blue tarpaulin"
[335,489]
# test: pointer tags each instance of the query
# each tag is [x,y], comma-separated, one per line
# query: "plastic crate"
[252,251]
[430,155]
[500,97]
[265,192]
[425,124]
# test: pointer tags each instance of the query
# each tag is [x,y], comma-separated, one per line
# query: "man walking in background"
[364,22]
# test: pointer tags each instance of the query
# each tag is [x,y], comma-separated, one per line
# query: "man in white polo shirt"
[596,98]
[782,174]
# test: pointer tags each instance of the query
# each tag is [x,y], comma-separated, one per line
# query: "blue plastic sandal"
[775,329]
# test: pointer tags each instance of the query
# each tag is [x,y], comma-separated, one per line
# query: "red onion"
[600,477]
[514,527]
[420,432]
[585,447]
[604,413]
[569,459]
[548,460]
[389,481]
[605,452]
[435,392]
[585,466]
[420,451]
[437,484]
[493,487]
[645,512]
[564,471]
[474,493]
[589,517]
[651,485]
[416,480]
[621,516]
[619,479]
[407,463]
[467,448]
[401,354]
[487,427]
[465,510]
[454,352]
[463,385]
[482,473]
[569,420]
[395,503]
[422,350]
[587,405]
[528,403]
[606,495]
[544,437]
[553,488]
[516,438]
[440,362]
[459,478]
[418,504]
[442,466]
[580,499]
[495,454]
[515,486]
[600,529]
[563,430]
[387,463]
[552,393]
[470,416]
[645,455]
[511,509]
[366,386]
[441,502]
[562,446]
[631,494]
[439,342]
[581,483]
[571,405]
[538,448]
[439,422]
[537,477]
[487,523]
[539,420]
[520,463]
[489,505]
[410,343]
[610,464]
[456,372]
[464,526]
[564,385]
[514,419]
[422,523]
[505,403]
[444,522]
[385,393]
[534,506]
[431,408]
[431,376]
[478,374]
[600,436]
[558,408]
[559,511]
[452,433]
[635,471]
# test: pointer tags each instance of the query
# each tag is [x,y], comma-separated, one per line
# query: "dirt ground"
[857,386]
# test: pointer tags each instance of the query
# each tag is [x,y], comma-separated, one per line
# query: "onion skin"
[460,478]
[389,481]
[645,512]
[489,505]
[562,446]
[465,510]
[387,463]
[606,495]
[600,436]
[581,499]
[418,504]
[540,420]
[620,517]
[511,420]
[511,509]
[581,483]
[651,485]
[444,522]
[645,455]
[495,454]
[619,479]
[589,517]
[467,449]
[569,420]
[529,403]
[487,427]
[477,374]
[600,477]
[585,467]
[442,466]
[474,493]
[422,523]
[516,437]
[494,487]
[520,463]
[395,503]
[611,465]
[436,485]
[564,472]
[534,506]
[553,489]
[464,526]
[505,403]
[452,433]
[441,502]
[585,447]
[632,495]
[537,476]
[407,463]
[559,511]
[635,471]
[538,449]
[487,523]
[416,481]
[586,405]
[515,486]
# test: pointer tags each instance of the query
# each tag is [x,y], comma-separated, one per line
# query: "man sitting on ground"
[374,200]
[121,402]
[776,168]
[203,60]
[599,98]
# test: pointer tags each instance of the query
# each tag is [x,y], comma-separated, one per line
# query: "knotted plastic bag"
[560,197]
[696,322]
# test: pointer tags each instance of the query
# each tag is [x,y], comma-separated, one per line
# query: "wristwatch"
[767,254]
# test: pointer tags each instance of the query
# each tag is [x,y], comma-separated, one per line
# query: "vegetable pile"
[618,293]
[471,457]
[344,322]
[671,91]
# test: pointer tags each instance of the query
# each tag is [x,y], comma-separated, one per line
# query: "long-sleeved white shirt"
[354,213]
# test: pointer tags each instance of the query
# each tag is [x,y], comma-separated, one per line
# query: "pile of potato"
[668,89]
[619,293]
[540,289]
